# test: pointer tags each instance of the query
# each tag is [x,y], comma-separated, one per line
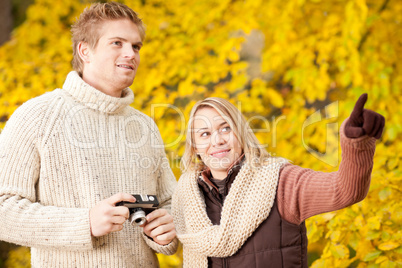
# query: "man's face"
[111,66]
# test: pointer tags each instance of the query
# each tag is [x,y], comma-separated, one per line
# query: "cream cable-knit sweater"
[62,153]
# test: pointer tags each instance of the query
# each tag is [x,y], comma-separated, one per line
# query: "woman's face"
[215,142]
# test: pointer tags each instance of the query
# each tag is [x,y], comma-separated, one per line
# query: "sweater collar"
[206,175]
[95,99]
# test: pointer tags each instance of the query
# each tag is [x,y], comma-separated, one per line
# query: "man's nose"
[129,52]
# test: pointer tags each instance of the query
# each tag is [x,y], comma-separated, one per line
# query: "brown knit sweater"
[300,194]
[303,193]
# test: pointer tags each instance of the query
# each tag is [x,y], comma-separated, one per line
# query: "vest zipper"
[217,201]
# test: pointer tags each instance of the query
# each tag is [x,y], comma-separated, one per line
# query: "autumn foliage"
[295,68]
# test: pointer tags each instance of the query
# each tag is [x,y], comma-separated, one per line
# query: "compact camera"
[143,205]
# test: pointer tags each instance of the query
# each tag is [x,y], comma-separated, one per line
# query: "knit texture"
[303,192]
[62,153]
[247,205]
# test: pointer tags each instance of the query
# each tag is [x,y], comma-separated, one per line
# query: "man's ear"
[84,51]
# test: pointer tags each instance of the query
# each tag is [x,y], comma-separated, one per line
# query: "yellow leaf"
[381,259]
[339,251]
[274,97]
[388,245]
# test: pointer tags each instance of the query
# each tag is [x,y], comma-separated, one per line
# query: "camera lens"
[138,217]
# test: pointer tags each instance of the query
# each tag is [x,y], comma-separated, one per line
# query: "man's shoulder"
[133,111]
[38,104]
[140,116]
[42,100]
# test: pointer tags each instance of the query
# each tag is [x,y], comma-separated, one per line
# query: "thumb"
[354,132]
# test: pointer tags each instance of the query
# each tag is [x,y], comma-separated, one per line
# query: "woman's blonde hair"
[86,28]
[254,153]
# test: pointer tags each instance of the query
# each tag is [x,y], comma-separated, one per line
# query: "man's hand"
[160,227]
[106,218]
[364,122]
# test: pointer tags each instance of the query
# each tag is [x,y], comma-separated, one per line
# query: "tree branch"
[366,34]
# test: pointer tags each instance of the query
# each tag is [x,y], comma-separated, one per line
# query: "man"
[69,156]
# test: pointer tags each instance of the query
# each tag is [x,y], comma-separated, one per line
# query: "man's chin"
[127,82]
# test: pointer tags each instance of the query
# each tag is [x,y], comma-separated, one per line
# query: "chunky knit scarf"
[247,205]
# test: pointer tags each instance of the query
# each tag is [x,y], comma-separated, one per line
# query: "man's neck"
[117,93]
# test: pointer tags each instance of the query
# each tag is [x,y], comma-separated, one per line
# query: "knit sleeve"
[303,192]
[24,220]
[166,185]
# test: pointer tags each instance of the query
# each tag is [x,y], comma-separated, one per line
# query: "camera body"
[143,205]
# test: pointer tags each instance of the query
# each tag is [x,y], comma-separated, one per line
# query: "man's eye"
[117,43]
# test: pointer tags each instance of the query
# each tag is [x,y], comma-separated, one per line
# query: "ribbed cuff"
[168,249]
[364,143]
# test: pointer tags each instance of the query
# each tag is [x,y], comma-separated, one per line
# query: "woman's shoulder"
[271,162]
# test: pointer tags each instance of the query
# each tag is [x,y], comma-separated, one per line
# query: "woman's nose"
[217,139]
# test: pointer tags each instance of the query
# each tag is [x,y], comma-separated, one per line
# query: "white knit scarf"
[247,205]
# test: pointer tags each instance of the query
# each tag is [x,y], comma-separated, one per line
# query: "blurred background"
[282,63]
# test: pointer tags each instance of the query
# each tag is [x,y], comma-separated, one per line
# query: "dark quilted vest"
[275,243]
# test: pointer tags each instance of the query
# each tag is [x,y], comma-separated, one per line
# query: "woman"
[236,206]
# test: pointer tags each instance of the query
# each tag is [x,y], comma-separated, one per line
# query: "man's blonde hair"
[86,28]
[254,154]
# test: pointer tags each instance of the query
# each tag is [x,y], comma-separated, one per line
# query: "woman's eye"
[118,43]
[225,129]
[204,134]
[137,47]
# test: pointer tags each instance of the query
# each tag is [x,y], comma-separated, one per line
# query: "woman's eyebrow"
[223,123]
[200,129]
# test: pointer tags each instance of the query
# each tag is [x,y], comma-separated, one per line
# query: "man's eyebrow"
[125,40]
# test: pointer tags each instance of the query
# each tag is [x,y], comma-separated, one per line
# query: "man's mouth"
[220,153]
[126,66]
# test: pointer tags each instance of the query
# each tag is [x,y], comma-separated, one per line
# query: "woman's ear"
[84,51]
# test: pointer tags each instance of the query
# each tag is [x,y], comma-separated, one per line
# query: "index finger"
[120,197]
[156,214]
[358,109]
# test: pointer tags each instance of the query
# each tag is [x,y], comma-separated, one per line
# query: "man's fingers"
[163,234]
[156,214]
[121,211]
[162,229]
[120,197]
[118,219]
[156,218]
[165,238]
[116,228]
[358,109]
[160,226]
